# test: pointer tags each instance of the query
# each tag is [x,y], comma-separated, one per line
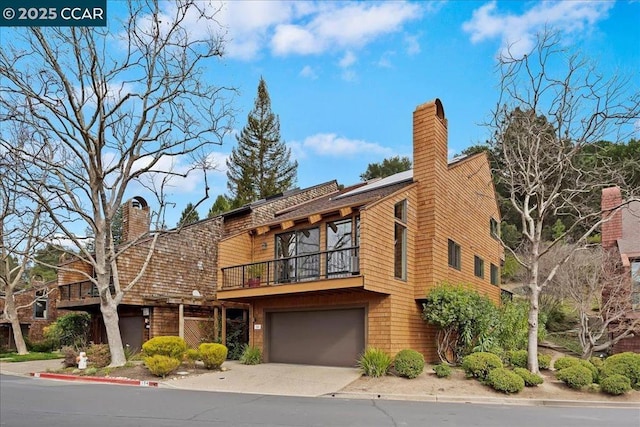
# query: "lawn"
[15,357]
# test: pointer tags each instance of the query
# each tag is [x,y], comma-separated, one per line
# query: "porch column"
[181,321]
[216,322]
[223,324]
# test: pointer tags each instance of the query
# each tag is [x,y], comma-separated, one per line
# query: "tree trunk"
[532,358]
[110,317]
[11,313]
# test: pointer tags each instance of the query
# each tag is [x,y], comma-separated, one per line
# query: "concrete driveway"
[270,378]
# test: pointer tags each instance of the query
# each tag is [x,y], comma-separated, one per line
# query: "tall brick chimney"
[430,172]
[136,219]
[612,228]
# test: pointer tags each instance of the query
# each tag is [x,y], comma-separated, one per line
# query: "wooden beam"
[287,224]
[216,321]
[314,218]
[263,230]
[181,321]
[223,323]
[345,211]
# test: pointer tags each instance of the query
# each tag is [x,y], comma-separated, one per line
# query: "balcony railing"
[80,290]
[303,268]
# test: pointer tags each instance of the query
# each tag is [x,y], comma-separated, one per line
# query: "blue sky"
[344,77]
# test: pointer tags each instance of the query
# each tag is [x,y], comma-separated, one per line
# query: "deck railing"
[302,268]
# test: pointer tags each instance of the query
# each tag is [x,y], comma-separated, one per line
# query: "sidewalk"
[321,381]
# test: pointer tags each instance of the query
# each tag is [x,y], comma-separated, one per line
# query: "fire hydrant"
[82,360]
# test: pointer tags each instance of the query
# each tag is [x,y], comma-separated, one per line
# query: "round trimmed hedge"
[565,362]
[213,355]
[409,363]
[478,365]
[161,365]
[576,376]
[530,379]
[615,384]
[170,346]
[626,364]
[504,380]
[442,370]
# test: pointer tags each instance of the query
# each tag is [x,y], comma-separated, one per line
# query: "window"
[635,284]
[454,255]
[478,266]
[342,242]
[40,306]
[299,254]
[495,278]
[495,229]
[400,240]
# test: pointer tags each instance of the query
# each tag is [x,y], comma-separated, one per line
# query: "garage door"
[319,337]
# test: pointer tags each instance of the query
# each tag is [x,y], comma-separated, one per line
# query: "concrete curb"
[85,378]
[485,400]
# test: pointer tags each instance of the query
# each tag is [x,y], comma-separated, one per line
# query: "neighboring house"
[37,308]
[621,233]
[327,278]
[176,295]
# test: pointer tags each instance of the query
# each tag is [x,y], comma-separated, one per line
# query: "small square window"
[455,255]
[478,267]
[40,305]
[495,276]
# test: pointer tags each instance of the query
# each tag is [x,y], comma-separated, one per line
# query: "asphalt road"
[36,402]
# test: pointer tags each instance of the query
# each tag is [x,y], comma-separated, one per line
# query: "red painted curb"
[106,380]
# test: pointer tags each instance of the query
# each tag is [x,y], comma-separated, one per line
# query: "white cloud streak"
[332,145]
[518,32]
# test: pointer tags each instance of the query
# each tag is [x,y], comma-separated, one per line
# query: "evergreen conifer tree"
[260,165]
[189,215]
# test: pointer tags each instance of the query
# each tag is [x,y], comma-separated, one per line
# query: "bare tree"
[543,119]
[105,110]
[599,290]
[22,225]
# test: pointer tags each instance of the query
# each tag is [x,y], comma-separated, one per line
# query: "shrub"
[160,365]
[615,384]
[442,370]
[478,365]
[512,329]
[44,346]
[192,355]
[72,330]
[70,355]
[170,346]
[98,355]
[627,364]
[544,361]
[91,371]
[251,355]
[565,362]
[465,318]
[374,362]
[595,373]
[504,380]
[213,355]
[576,376]
[409,363]
[530,379]
[518,358]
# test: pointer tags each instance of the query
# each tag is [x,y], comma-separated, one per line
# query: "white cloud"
[518,32]
[412,44]
[349,75]
[332,145]
[342,26]
[347,60]
[308,72]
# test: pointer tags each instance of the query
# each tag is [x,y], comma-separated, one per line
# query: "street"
[31,402]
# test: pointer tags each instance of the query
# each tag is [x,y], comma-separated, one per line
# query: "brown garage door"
[319,337]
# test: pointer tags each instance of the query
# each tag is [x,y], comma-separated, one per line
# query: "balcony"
[80,293]
[294,273]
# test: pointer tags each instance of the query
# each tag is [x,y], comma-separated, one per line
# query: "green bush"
[71,329]
[251,355]
[565,362]
[160,365]
[192,355]
[596,361]
[213,355]
[544,361]
[504,380]
[595,372]
[478,365]
[530,379]
[44,346]
[374,362]
[627,364]
[518,358]
[170,346]
[615,384]
[409,363]
[576,376]
[442,370]
[98,355]
[70,354]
